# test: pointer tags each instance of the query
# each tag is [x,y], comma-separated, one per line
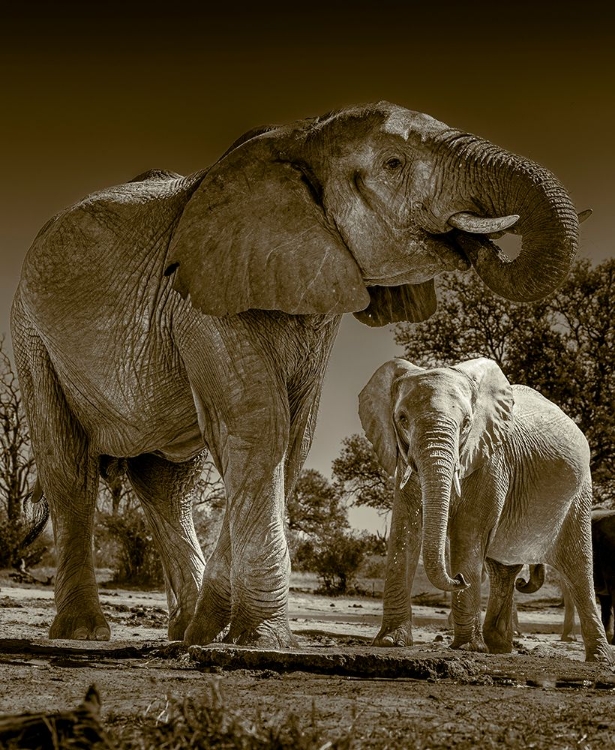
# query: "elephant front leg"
[260,568]
[467,559]
[165,491]
[499,619]
[402,558]
[247,579]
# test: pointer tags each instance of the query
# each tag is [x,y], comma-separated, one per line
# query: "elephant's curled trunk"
[501,184]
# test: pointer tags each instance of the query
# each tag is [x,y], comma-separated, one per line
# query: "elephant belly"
[528,542]
[171,434]
[139,417]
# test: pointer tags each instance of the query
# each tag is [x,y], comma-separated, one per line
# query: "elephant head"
[358,210]
[443,423]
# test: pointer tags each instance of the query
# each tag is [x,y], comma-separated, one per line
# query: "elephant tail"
[537,578]
[39,509]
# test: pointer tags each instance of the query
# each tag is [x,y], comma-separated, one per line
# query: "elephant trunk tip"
[460,582]
[441,580]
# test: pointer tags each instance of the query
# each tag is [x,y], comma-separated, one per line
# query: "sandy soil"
[543,695]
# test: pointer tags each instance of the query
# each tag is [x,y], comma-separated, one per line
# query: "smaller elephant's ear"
[254,236]
[492,417]
[392,304]
[376,410]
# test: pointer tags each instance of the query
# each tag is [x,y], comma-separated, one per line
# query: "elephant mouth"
[445,254]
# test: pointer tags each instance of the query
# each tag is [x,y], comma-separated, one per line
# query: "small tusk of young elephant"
[474,224]
[457,482]
[583,215]
[405,478]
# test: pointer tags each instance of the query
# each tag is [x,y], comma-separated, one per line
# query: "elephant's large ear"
[392,304]
[376,410]
[254,236]
[492,418]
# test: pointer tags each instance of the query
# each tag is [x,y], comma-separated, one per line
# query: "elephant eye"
[403,419]
[393,163]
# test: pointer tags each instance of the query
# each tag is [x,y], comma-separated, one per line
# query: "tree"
[315,505]
[318,533]
[360,477]
[17,474]
[563,346]
[336,558]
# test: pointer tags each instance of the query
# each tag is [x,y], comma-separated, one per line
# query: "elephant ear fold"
[254,236]
[376,410]
[392,304]
[492,417]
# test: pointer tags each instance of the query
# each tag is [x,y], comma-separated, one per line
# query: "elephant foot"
[499,647]
[602,653]
[399,636]
[203,630]
[476,645]
[267,635]
[80,626]
[178,624]
[568,638]
[497,643]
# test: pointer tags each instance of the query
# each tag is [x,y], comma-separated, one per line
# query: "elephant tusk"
[457,482]
[405,478]
[474,224]
[584,215]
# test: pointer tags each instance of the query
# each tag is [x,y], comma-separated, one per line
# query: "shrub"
[12,547]
[335,558]
[136,559]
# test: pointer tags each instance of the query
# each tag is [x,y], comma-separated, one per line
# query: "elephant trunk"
[436,463]
[536,580]
[500,183]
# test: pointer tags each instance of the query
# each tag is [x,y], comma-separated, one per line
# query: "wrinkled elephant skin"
[499,469]
[172,315]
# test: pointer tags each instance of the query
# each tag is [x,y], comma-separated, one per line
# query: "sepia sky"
[92,96]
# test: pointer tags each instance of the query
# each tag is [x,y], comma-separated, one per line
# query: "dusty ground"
[543,695]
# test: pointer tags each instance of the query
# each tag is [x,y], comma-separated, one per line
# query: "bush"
[335,558]
[128,536]
[12,546]
[374,566]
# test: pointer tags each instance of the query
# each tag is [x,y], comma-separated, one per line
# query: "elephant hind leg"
[68,474]
[500,615]
[165,490]
[568,626]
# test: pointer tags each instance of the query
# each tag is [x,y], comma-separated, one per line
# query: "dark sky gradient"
[93,97]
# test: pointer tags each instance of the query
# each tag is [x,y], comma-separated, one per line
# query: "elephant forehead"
[438,386]
[403,122]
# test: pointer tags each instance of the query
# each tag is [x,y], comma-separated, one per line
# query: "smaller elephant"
[501,470]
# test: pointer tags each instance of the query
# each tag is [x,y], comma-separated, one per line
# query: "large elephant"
[501,469]
[172,314]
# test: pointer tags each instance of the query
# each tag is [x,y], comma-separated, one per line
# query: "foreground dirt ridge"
[363,662]
[341,690]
